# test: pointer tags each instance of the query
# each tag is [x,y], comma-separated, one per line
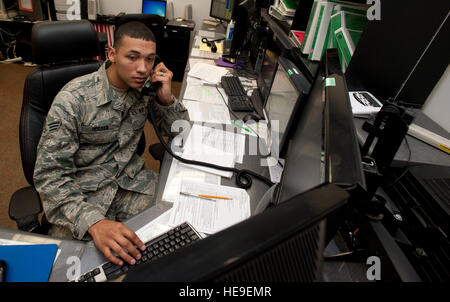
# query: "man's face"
[132,61]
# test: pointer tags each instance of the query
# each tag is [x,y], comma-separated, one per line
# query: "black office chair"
[64,50]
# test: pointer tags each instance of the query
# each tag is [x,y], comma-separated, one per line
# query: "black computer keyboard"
[232,85]
[237,98]
[240,103]
[164,244]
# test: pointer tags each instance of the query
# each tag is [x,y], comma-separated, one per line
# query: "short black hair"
[133,29]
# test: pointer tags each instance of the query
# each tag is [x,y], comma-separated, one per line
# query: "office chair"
[64,50]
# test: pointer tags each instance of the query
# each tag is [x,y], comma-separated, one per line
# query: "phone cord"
[243,179]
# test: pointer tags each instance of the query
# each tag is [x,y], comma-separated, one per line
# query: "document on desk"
[196,52]
[193,61]
[155,227]
[210,215]
[211,156]
[208,73]
[205,94]
[204,138]
[209,113]
[178,173]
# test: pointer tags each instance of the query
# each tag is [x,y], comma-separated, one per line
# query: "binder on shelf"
[346,29]
[323,37]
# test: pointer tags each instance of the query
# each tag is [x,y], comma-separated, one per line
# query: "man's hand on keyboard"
[111,236]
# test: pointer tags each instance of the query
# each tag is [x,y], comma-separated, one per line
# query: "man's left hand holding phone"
[161,74]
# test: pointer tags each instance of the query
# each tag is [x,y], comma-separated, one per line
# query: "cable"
[243,179]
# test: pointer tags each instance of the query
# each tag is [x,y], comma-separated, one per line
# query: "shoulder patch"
[53,126]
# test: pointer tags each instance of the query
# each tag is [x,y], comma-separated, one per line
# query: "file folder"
[28,263]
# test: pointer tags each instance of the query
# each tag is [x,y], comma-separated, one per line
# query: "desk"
[87,252]
[421,153]
[90,257]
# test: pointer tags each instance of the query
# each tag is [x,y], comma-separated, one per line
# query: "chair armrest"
[24,207]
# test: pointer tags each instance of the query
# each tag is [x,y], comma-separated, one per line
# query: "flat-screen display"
[221,9]
[154,7]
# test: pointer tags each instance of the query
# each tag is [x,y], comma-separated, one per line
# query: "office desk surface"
[418,151]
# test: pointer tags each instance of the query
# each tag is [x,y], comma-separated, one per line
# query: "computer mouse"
[251,116]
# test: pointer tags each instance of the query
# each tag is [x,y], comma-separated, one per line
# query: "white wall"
[437,105]
[200,8]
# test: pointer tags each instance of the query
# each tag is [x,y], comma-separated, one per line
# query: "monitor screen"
[154,7]
[268,67]
[222,9]
[287,96]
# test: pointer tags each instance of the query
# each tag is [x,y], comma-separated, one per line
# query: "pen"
[236,124]
[209,197]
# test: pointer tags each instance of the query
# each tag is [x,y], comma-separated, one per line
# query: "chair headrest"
[59,41]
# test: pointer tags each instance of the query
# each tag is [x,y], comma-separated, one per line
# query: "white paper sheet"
[209,216]
[215,138]
[193,61]
[178,172]
[205,94]
[155,227]
[206,72]
[209,113]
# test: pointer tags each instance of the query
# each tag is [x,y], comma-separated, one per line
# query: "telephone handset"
[151,87]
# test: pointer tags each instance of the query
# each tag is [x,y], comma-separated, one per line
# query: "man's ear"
[112,54]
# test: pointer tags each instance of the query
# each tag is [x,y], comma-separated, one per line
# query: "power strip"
[430,138]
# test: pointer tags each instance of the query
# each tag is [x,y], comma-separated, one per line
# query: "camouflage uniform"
[87,168]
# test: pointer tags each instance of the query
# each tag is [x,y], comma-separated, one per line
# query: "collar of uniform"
[109,95]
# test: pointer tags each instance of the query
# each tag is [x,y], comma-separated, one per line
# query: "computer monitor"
[154,7]
[287,97]
[267,66]
[222,9]
[285,241]
[282,244]
[324,146]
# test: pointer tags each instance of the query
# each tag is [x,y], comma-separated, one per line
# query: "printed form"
[210,215]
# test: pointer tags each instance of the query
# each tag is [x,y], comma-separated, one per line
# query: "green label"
[289,72]
[330,82]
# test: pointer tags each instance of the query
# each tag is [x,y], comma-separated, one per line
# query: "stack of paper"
[178,172]
[210,208]
[208,73]
[205,94]
[210,113]
[215,146]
